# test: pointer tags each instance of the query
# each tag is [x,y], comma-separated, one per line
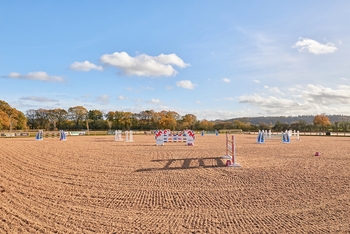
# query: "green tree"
[42,119]
[118,119]
[279,127]
[244,126]
[31,119]
[147,120]
[127,120]
[345,126]
[95,115]
[56,117]
[336,126]
[21,121]
[264,126]
[78,115]
[95,120]
[206,125]
[188,121]
[61,116]
[219,125]
[110,116]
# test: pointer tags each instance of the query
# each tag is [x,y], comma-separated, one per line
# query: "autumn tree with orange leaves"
[322,121]
[11,118]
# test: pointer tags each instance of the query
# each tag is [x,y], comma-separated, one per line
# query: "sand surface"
[92,184]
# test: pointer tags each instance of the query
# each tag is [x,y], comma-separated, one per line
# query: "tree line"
[80,118]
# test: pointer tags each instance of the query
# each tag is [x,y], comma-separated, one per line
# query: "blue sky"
[213,59]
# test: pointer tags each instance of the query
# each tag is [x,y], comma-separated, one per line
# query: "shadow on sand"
[186,163]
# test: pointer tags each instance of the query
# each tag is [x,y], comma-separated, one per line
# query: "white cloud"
[226,80]
[218,114]
[86,96]
[309,99]
[320,95]
[121,97]
[168,59]
[40,75]
[14,75]
[147,88]
[168,87]
[104,99]
[275,90]
[156,101]
[314,47]
[343,78]
[198,102]
[229,98]
[270,101]
[186,84]
[144,65]
[256,81]
[83,98]
[38,99]
[85,66]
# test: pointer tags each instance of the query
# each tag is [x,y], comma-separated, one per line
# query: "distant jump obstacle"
[190,136]
[118,135]
[63,136]
[210,133]
[231,152]
[290,133]
[159,137]
[261,137]
[285,137]
[128,136]
[41,135]
[163,136]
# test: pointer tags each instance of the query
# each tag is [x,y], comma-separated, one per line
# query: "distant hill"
[287,119]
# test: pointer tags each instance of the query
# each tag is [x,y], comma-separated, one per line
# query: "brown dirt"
[96,185]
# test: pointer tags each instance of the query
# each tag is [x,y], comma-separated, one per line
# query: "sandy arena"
[92,184]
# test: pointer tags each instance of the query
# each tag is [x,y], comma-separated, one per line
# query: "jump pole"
[39,136]
[231,152]
[118,135]
[128,136]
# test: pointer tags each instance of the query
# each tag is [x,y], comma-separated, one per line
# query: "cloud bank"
[103,99]
[298,100]
[144,65]
[40,75]
[38,99]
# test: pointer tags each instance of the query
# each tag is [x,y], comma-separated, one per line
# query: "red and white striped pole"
[233,150]
[227,152]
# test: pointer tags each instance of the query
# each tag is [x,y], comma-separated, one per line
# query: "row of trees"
[320,123]
[78,117]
